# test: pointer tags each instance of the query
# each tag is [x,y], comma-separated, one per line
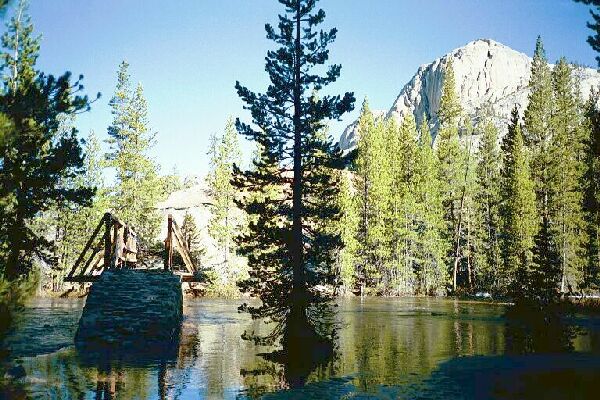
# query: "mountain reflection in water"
[387,348]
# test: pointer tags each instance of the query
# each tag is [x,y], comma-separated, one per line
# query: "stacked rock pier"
[131,309]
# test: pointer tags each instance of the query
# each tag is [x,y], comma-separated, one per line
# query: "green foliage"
[401,233]
[70,224]
[288,245]
[592,158]
[454,164]
[537,128]
[372,181]
[225,218]
[432,248]
[398,206]
[191,238]
[488,200]
[520,214]
[348,228]
[592,192]
[566,168]
[36,156]
[13,295]
[594,40]
[137,187]
[171,183]
[450,109]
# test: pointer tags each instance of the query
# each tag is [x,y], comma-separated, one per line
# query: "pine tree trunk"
[227,238]
[297,322]
[13,263]
[469,272]
[564,262]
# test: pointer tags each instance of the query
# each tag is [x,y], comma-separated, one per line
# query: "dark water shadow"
[539,361]
[532,327]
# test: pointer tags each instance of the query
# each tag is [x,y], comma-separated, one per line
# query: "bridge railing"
[117,248]
[176,241]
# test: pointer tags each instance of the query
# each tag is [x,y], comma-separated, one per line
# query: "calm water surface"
[388,349]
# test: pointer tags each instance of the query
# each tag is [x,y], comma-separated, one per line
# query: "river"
[387,349]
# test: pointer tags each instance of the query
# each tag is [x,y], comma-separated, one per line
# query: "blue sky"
[189,53]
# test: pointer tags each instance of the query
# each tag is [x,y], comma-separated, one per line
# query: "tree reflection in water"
[533,327]
[387,348]
[128,373]
[303,353]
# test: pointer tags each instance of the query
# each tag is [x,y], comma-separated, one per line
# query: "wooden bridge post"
[169,244]
[107,241]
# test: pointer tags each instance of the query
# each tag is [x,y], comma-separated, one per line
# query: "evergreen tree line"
[53,190]
[472,213]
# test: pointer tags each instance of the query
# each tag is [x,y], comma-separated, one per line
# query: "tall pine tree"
[372,183]
[594,40]
[565,169]
[35,157]
[137,187]
[537,132]
[348,231]
[488,197]
[287,250]
[452,162]
[225,219]
[519,212]
[592,192]
[432,248]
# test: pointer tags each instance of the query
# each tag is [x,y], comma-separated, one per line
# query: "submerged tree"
[35,157]
[286,249]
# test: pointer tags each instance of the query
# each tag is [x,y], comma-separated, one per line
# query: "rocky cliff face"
[486,72]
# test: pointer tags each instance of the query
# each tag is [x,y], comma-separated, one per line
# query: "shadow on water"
[539,361]
[535,328]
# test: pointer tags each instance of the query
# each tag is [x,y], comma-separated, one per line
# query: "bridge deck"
[185,277]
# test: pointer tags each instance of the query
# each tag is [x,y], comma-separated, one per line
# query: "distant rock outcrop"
[196,199]
[486,72]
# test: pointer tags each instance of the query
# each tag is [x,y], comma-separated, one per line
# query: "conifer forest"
[470,209]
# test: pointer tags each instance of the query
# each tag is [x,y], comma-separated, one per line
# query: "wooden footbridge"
[130,306]
[117,248]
